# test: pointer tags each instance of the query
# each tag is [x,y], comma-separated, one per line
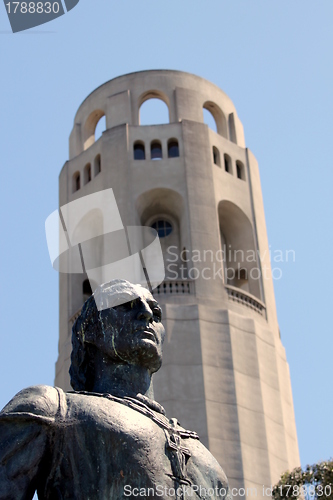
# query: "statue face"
[133,332]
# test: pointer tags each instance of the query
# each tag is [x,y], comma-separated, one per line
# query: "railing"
[172,287]
[247,299]
[185,287]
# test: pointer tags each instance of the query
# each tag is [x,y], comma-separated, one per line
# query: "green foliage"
[312,483]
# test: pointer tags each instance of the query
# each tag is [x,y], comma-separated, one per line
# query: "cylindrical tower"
[224,373]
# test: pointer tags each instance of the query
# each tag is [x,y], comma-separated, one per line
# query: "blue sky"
[274,60]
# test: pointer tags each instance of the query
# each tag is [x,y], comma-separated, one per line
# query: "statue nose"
[145,312]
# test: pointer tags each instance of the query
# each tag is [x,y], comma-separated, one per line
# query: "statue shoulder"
[42,400]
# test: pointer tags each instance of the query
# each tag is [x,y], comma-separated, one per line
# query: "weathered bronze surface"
[108,439]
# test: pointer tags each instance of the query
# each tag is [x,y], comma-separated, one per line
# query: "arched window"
[240,170]
[163,227]
[216,156]
[156,150]
[139,151]
[87,173]
[227,164]
[97,165]
[153,110]
[76,182]
[173,148]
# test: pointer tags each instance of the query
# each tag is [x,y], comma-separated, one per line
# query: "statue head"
[127,330]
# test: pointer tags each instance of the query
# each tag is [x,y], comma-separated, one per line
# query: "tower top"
[163,73]
[185,95]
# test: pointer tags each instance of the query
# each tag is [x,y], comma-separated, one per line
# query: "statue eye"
[126,306]
[157,313]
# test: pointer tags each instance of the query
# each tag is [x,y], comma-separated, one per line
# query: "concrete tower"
[224,373]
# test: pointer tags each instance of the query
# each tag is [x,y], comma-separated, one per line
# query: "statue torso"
[103,449]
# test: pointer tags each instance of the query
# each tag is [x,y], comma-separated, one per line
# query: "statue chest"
[117,447]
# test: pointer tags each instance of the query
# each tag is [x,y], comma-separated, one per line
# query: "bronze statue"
[108,439]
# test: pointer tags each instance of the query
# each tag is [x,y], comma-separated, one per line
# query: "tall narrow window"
[227,164]
[139,151]
[173,148]
[86,289]
[156,150]
[240,170]
[97,165]
[76,182]
[216,156]
[87,173]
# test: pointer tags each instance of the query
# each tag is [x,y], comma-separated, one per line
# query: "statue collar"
[139,398]
[153,405]
[147,407]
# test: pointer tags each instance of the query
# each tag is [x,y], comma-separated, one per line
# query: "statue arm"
[25,427]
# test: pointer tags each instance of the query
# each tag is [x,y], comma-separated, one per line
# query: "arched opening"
[163,210]
[214,117]
[156,150]
[167,227]
[87,173]
[216,156]
[240,170]
[153,108]
[227,164]
[90,130]
[100,128]
[139,151]
[173,148]
[241,267]
[209,120]
[76,182]
[97,165]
